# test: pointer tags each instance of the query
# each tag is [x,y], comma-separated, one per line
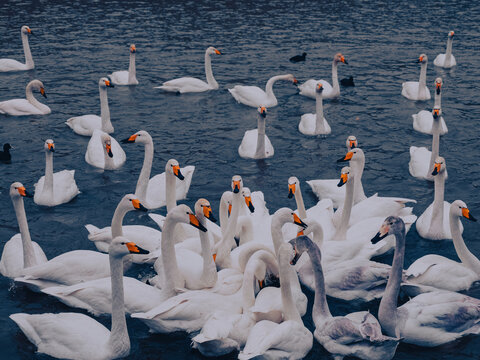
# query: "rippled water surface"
[75,44]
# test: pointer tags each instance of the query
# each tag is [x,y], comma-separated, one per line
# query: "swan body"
[126,77]
[77,336]
[54,188]
[86,124]
[28,106]
[423,121]
[446,60]
[308,88]
[315,124]
[20,251]
[104,152]
[14,65]
[255,143]
[189,84]
[255,97]
[417,90]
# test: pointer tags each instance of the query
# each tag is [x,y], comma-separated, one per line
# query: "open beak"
[466,214]
[248,201]
[108,147]
[298,221]
[436,169]
[291,190]
[177,172]
[347,157]
[236,186]
[343,180]
[131,139]
[138,206]
[135,249]
[381,234]
[42,91]
[208,213]
[24,193]
[195,223]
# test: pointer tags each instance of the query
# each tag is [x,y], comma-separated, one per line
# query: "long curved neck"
[319,123]
[269,86]
[170,192]
[119,340]
[467,258]
[144,177]
[437,211]
[170,266]
[335,84]
[132,73]
[245,227]
[341,233]
[300,204]
[320,305]
[357,166]
[29,258]
[48,183]
[248,289]
[223,255]
[260,152]
[117,220]
[448,52]
[223,214]
[435,144]
[290,311]
[277,235]
[28,55]
[32,99]
[423,78]
[208,72]
[387,311]
[209,273]
[105,110]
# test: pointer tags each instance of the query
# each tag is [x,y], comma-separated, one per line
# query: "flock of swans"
[215,281]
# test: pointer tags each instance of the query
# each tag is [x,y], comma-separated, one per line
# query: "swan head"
[300,244]
[141,136]
[183,214]
[227,199]
[133,49]
[436,113]
[439,166]
[37,85]
[352,142]
[131,202]
[291,78]
[353,154]
[438,85]
[292,186]
[49,145]
[211,50]
[173,167]
[451,34]
[459,208]
[346,174]
[107,144]
[105,82]
[17,190]
[262,110]
[237,184]
[286,254]
[26,30]
[247,195]
[121,246]
[340,58]
[286,215]
[203,209]
[391,225]
[422,59]
[319,88]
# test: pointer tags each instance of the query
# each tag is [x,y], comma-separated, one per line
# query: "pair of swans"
[28,106]
[14,65]
[315,124]
[126,77]
[308,88]
[78,336]
[417,90]
[255,97]
[423,120]
[162,189]
[189,84]
[255,143]
[446,60]
[54,188]
[104,152]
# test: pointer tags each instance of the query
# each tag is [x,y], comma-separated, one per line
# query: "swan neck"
[437,99]
[208,72]
[467,258]
[170,266]
[117,220]
[170,192]
[435,145]
[223,214]
[319,123]
[357,166]
[105,110]
[29,258]
[290,311]
[269,86]
[335,84]
[448,52]
[248,289]
[320,305]
[31,99]
[341,233]
[28,54]
[300,204]
[223,254]
[132,73]
[260,152]
[209,274]
[48,183]
[423,77]
[144,177]
[437,211]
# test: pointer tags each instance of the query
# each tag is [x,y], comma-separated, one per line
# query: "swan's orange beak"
[291,190]
[300,233]
[466,214]
[343,180]
[319,86]
[133,49]
[229,209]
[353,144]
[451,33]
[135,249]
[263,111]
[436,113]
[42,91]
[214,257]
[248,201]
[217,52]
[108,83]
[21,190]
[295,81]
[195,223]
[436,168]
[30,31]
[138,206]
[108,147]
[208,213]
[438,87]
[236,186]
[384,229]
[342,59]
[298,221]
[131,139]
[51,147]
[177,172]
[420,59]
[347,157]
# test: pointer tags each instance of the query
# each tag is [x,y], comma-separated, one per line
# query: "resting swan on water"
[446,60]
[417,90]
[255,143]
[28,106]
[126,77]
[14,65]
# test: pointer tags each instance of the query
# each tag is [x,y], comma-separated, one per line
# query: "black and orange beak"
[436,168]
[300,233]
[466,214]
[319,87]
[343,180]
[29,31]
[420,59]
[347,157]
[135,249]
[438,87]
[236,186]
[177,172]
[263,111]
[108,83]
[295,81]
[436,113]
[217,52]
[229,209]
[23,192]
[195,223]
[353,144]
[208,213]
[42,91]
[343,60]
[138,205]
[133,49]
[298,221]
[248,201]
[381,234]
[131,139]
[291,190]
[51,147]
[108,147]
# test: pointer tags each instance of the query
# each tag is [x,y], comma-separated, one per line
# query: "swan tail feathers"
[21,319]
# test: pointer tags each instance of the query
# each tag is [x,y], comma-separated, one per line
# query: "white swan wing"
[12,65]
[419,162]
[328,189]
[185,85]
[119,77]
[251,95]
[85,125]
[19,107]
[11,262]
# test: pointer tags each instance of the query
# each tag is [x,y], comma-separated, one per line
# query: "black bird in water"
[5,154]
[347,81]
[298,58]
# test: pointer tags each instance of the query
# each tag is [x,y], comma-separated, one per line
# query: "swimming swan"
[104,152]
[255,143]
[417,90]
[423,120]
[28,106]
[315,124]
[14,65]
[446,60]
[126,77]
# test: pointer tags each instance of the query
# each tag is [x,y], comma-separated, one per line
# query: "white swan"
[422,159]
[14,65]
[356,334]
[446,60]
[74,266]
[126,77]
[54,188]
[432,272]
[189,84]
[86,124]
[429,319]
[434,223]
[315,124]
[423,120]
[20,251]
[255,143]
[28,106]
[255,97]
[417,90]
[77,336]
[308,88]
[162,189]
[289,339]
[104,152]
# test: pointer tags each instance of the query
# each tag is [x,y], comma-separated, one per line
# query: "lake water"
[75,44]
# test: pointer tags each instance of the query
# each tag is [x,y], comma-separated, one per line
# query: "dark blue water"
[76,44]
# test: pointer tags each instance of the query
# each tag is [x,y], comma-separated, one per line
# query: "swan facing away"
[255,143]
[126,77]
[417,90]
[315,124]
[14,65]
[104,152]
[190,84]
[78,336]
[329,91]
[255,97]
[446,60]
[54,188]
[28,106]
[85,125]
[423,120]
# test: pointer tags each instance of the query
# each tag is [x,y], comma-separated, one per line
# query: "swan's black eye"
[123,243]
